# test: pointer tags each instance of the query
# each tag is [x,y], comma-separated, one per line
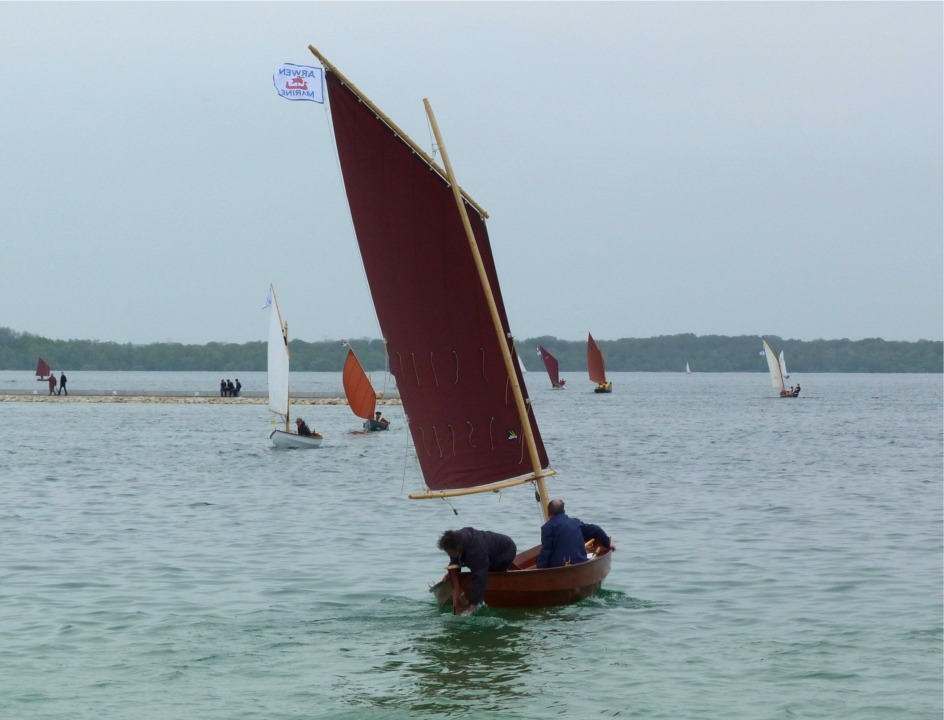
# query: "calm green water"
[776,559]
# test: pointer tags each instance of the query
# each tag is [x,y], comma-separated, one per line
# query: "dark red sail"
[42,369]
[443,348]
[595,365]
[550,364]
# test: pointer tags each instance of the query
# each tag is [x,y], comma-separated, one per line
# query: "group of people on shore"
[228,389]
[62,384]
[563,542]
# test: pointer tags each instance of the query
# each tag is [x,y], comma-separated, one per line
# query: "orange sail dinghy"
[360,393]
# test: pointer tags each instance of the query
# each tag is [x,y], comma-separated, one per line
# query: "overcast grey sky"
[649,168]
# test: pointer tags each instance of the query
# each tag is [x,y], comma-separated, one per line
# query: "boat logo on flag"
[299,82]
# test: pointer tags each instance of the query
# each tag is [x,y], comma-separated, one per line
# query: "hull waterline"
[282,439]
[526,586]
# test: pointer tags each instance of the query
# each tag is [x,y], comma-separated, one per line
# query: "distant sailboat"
[550,364]
[688,370]
[596,367]
[279,402]
[783,366]
[360,393]
[42,370]
[776,373]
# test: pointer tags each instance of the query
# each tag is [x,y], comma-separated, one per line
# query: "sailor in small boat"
[796,390]
[482,551]
[303,428]
[379,418]
[563,538]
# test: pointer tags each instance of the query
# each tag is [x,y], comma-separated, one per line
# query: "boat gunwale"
[296,442]
[557,582]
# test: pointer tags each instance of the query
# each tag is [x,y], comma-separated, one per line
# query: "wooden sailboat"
[42,370]
[448,340]
[596,367]
[279,402]
[776,372]
[550,364]
[360,393]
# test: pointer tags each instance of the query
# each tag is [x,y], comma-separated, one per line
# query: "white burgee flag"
[299,82]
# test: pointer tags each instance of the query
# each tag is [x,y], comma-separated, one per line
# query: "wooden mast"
[284,325]
[288,395]
[496,319]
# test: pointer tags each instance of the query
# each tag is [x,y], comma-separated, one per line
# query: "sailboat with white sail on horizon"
[776,371]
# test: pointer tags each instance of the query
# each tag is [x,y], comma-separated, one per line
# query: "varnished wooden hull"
[526,586]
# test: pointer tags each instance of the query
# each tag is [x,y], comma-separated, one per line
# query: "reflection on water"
[481,662]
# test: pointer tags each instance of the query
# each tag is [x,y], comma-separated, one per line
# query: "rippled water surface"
[776,559]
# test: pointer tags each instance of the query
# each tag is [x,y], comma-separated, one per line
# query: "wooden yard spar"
[496,321]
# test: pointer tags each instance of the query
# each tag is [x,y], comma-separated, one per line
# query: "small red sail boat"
[596,367]
[42,370]
[448,340]
[360,393]
[550,364]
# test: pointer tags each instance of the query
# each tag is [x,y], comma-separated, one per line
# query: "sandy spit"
[176,400]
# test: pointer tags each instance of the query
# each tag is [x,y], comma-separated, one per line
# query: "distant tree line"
[666,353]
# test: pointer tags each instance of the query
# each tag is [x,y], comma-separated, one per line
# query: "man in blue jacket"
[563,538]
[482,551]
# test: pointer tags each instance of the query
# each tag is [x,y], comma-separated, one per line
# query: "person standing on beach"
[52,384]
[222,388]
[62,384]
[237,388]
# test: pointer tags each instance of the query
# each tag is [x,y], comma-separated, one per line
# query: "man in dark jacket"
[563,538]
[482,551]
